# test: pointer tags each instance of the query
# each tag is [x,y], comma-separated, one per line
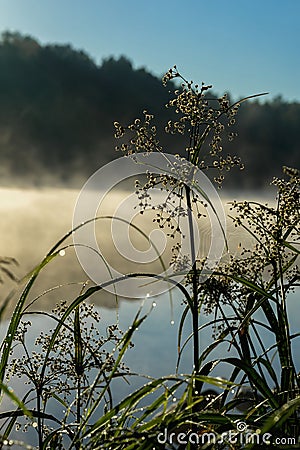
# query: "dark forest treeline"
[57,109]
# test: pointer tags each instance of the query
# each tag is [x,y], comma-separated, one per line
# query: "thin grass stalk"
[123,347]
[195,320]
[282,337]
[78,364]
[39,419]
[194,310]
[245,338]
[291,367]
[257,335]
[230,328]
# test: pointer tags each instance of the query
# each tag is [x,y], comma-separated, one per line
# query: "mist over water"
[33,220]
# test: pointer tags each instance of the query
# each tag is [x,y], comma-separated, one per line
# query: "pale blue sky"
[243,47]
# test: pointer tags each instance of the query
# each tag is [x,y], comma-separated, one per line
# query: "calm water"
[31,221]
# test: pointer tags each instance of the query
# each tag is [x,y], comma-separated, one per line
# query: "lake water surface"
[33,220]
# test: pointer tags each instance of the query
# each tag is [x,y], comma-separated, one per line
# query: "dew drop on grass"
[87,437]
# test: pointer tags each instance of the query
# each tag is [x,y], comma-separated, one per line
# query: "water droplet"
[62,253]
[172,322]
[34,424]
[174,399]
[154,304]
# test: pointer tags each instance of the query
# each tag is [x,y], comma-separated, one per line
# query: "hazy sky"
[244,47]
